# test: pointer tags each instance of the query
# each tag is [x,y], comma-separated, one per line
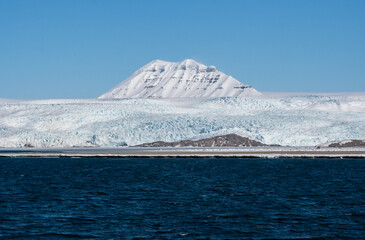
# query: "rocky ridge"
[229,140]
[344,144]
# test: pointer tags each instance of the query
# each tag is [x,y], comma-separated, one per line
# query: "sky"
[83,48]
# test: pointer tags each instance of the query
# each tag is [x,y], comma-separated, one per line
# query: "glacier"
[284,119]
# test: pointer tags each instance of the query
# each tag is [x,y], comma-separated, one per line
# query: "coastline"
[186,152]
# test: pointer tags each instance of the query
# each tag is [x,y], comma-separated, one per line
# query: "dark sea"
[189,198]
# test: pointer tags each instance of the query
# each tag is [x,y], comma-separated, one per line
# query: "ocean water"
[161,198]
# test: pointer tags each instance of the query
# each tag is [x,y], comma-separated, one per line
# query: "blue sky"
[81,49]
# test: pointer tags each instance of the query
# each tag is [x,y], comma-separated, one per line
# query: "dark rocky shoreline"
[343,144]
[229,140]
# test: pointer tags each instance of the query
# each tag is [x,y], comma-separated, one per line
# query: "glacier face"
[185,79]
[299,120]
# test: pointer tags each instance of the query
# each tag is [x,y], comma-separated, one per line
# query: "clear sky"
[81,49]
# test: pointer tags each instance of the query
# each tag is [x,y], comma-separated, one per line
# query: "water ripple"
[182,198]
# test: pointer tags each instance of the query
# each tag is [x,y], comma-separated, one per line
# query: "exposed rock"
[28,145]
[230,140]
[344,144]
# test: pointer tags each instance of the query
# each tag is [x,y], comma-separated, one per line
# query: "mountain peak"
[185,79]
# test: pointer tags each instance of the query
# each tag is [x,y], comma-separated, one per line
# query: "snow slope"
[296,120]
[186,79]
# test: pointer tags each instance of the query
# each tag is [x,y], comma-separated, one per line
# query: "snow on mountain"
[185,79]
[305,120]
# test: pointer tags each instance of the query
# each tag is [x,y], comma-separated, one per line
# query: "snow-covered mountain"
[185,79]
[212,106]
